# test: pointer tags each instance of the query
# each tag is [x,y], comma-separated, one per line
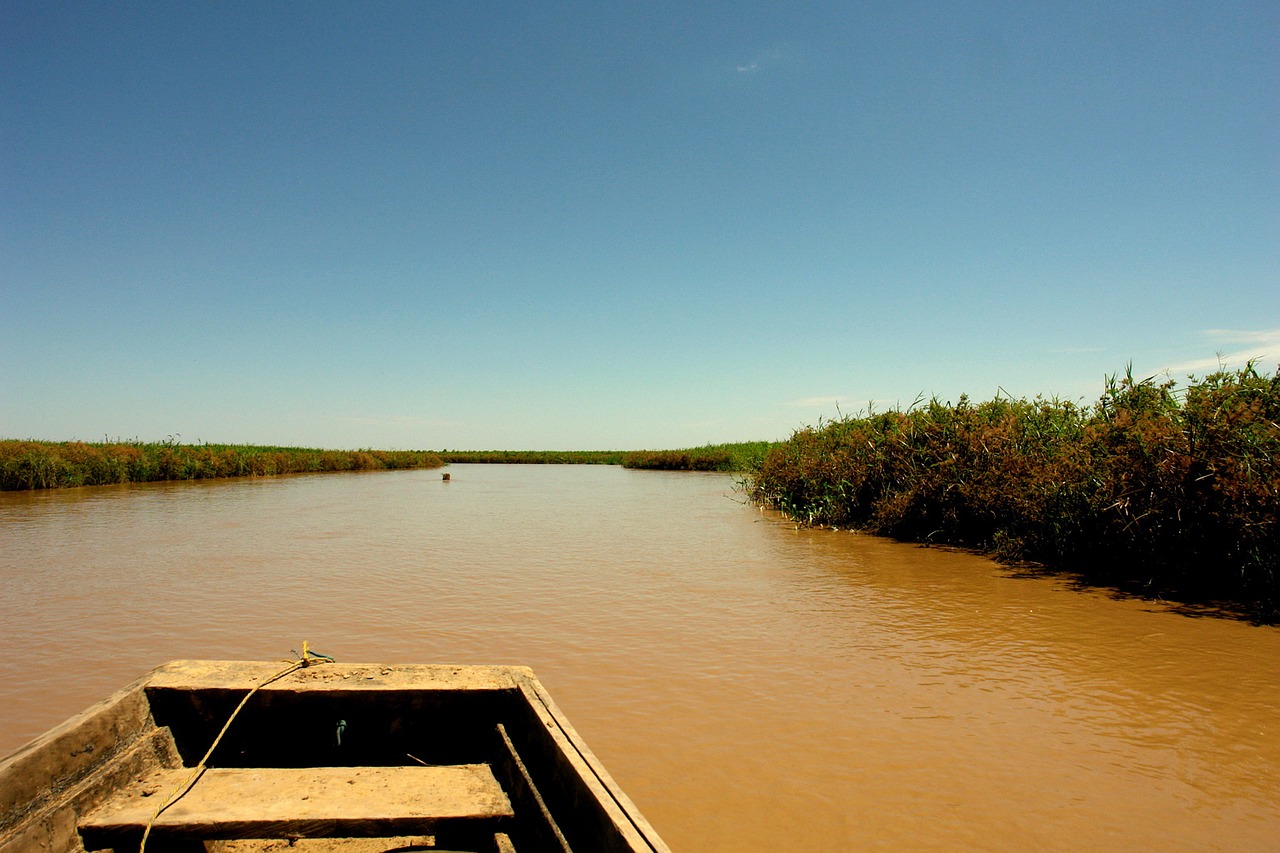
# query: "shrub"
[1177,492]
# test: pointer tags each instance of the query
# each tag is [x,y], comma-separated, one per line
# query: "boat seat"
[227,803]
[397,844]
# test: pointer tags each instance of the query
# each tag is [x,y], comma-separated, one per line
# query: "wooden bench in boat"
[306,802]
[493,740]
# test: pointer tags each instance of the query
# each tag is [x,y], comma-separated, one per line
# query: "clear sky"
[586,225]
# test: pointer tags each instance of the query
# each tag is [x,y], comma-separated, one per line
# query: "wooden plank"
[278,802]
[341,676]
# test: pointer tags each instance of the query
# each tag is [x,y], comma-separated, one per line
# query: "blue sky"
[619,225]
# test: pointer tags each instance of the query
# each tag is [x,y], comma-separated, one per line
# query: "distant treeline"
[52,465]
[743,456]
[1164,490]
[535,457]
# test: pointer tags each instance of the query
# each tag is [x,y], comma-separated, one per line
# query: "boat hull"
[467,758]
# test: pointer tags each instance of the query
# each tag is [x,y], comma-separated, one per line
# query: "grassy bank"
[1171,491]
[535,457]
[742,456]
[52,465]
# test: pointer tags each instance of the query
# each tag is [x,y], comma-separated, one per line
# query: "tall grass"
[535,457]
[1171,491]
[741,456]
[52,465]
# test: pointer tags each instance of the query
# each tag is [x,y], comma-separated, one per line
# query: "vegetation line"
[26,465]
[742,456]
[1168,491]
[535,457]
[53,465]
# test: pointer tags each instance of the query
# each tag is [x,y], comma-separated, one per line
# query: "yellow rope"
[308,657]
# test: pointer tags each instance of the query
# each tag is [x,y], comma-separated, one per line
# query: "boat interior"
[330,757]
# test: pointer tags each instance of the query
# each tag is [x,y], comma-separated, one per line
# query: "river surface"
[750,685]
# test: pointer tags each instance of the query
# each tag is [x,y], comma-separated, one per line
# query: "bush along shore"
[534,457]
[742,456]
[1155,489]
[52,465]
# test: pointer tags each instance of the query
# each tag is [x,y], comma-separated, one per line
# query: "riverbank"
[54,465]
[1155,488]
[62,464]
[738,456]
[534,457]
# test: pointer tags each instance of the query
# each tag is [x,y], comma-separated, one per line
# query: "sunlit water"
[750,685]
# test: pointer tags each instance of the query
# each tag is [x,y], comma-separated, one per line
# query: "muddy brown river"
[750,685]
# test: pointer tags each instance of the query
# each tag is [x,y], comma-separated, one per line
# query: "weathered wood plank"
[278,802]
[321,677]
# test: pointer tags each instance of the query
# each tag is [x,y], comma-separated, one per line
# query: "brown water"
[750,685]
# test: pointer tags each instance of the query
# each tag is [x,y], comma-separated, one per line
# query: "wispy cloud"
[1262,346]
[764,60]
[1268,337]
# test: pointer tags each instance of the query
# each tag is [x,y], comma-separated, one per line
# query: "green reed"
[52,465]
[534,457]
[741,456]
[1165,490]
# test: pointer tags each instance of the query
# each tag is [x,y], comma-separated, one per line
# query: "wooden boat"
[327,757]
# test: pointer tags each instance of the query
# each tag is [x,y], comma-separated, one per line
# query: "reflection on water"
[750,685]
